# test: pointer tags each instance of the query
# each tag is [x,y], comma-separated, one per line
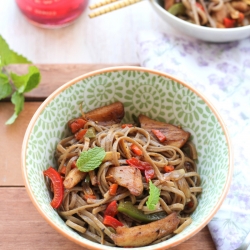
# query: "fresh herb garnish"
[14,85]
[154,196]
[91,159]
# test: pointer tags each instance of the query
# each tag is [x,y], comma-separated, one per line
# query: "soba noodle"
[213,13]
[84,204]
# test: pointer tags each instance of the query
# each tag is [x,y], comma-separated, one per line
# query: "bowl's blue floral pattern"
[159,97]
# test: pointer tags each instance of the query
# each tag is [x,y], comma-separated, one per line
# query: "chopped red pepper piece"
[127,125]
[190,204]
[89,196]
[77,124]
[113,188]
[111,209]
[199,6]
[241,17]
[63,170]
[169,168]
[112,222]
[73,164]
[58,188]
[134,162]
[160,136]
[79,135]
[142,165]
[228,22]
[149,173]
[136,150]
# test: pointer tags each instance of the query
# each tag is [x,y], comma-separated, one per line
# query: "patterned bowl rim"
[112,69]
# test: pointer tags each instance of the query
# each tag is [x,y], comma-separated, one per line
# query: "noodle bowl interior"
[126,185]
[215,14]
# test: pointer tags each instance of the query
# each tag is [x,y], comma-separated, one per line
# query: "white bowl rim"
[119,68]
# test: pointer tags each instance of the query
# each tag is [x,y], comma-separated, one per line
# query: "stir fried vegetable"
[216,13]
[124,185]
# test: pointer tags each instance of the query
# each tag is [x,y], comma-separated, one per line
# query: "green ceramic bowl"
[153,93]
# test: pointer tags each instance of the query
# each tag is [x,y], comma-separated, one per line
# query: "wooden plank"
[11,142]
[54,76]
[22,227]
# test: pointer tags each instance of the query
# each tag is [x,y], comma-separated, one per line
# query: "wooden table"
[21,226]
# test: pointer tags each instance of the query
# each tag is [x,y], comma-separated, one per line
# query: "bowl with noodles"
[127,157]
[211,21]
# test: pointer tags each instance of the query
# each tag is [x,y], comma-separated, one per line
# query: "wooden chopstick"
[102,3]
[115,6]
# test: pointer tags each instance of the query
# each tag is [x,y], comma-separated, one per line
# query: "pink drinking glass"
[52,13]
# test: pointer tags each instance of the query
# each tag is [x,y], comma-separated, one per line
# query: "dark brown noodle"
[178,188]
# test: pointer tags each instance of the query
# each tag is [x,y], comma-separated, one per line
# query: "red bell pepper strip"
[228,23]
[199,6]
[111,209]
[241,17]
[77,124]
[57,182]
[149,173]
[113,188]
[79,135]
[142,165]
[111,222]
[169,168]
[160,136]
[127,125]
[73,165]
[134,162]
[136,150]
[89,196]
[190,204]
[63,170]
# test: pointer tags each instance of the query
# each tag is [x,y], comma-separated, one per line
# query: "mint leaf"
[8,56]
[154,196]
[18,100]
[22,84]
[91,159]
[26,83]
[5,87]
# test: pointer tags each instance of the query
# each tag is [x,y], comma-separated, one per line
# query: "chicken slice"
[128,177]
[145,234]
[107,115]
[175,136]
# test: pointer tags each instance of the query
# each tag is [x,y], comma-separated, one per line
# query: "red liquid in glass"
[52,13]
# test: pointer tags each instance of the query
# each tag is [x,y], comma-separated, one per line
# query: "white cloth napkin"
[222,73]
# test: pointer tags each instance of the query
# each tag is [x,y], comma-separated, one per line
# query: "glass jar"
[52,13]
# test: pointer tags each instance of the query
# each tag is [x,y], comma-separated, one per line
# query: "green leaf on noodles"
[154,196]
[91,159]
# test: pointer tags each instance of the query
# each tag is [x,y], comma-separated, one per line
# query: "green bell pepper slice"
[131,211]
[177,9]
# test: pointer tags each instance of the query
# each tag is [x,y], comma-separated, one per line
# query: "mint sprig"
[154,196]
[9,56]
[14,85]
[90,159]
[5,87]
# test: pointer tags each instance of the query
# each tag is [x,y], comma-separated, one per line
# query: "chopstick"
[102,3]
[115,6]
